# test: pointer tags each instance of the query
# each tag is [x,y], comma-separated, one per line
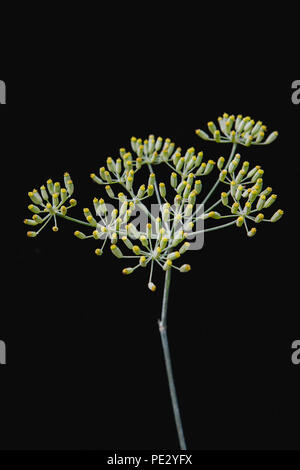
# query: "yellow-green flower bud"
[220,163]
[158,144]
[150,190]
[163,243]
[44,193]
[174,255]
[35,197]
[257,175]
[111,164]
[223,175]
[31,234]
[119,166]
[188,210]
[184,248]
[271,137]
[55,199]
[238,121]
[267,191]
[270,201]
[141,191]
[235,207]
[260,136]
[63,195]
[253,195]
[240,176]
[247,208]
[70,187]
[162,190]
[50,186]
[214,215]
[129,183]
[91,220]
[109,191]
[167,265]
[212,127]
[256,128]
[143,261]
[199,159]
[98,252]
[152,286]
[245,167]
[187,191]
[259,218]
[127,242]
[239,192]
[192,197]
[240,221]
[79,235]
[248,140]
[116,251]
[127,271]
[34,209]
[260,203]
[253,171]
[30,222]
[233,188]
[144,241]
[102,173]
[251,232]
[108,177]
[37,219]
[209,167]
[185,268]
[133,232]
[277,216]
[50,209]
[217,136]
[202,134]
[232,166]
[224,198]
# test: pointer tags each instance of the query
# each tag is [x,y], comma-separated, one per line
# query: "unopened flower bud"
[251,232]
[31,234]
[79,235]
[209,167]
[202,134]
[277,216]
[220,163]
[185,268]
[34,209]
[223,175]
[240,221]
[116,251]
[259,218]
[152,286]
[271,137]
[127,271]
[260,203]
[270,201]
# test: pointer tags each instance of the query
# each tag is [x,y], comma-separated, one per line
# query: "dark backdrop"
[84,361]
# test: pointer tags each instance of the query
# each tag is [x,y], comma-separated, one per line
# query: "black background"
[84,361]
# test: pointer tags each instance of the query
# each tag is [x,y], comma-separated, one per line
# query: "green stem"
[165,344]
[74,220]
[218,181]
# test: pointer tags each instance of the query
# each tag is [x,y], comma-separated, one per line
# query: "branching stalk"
[165,344]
